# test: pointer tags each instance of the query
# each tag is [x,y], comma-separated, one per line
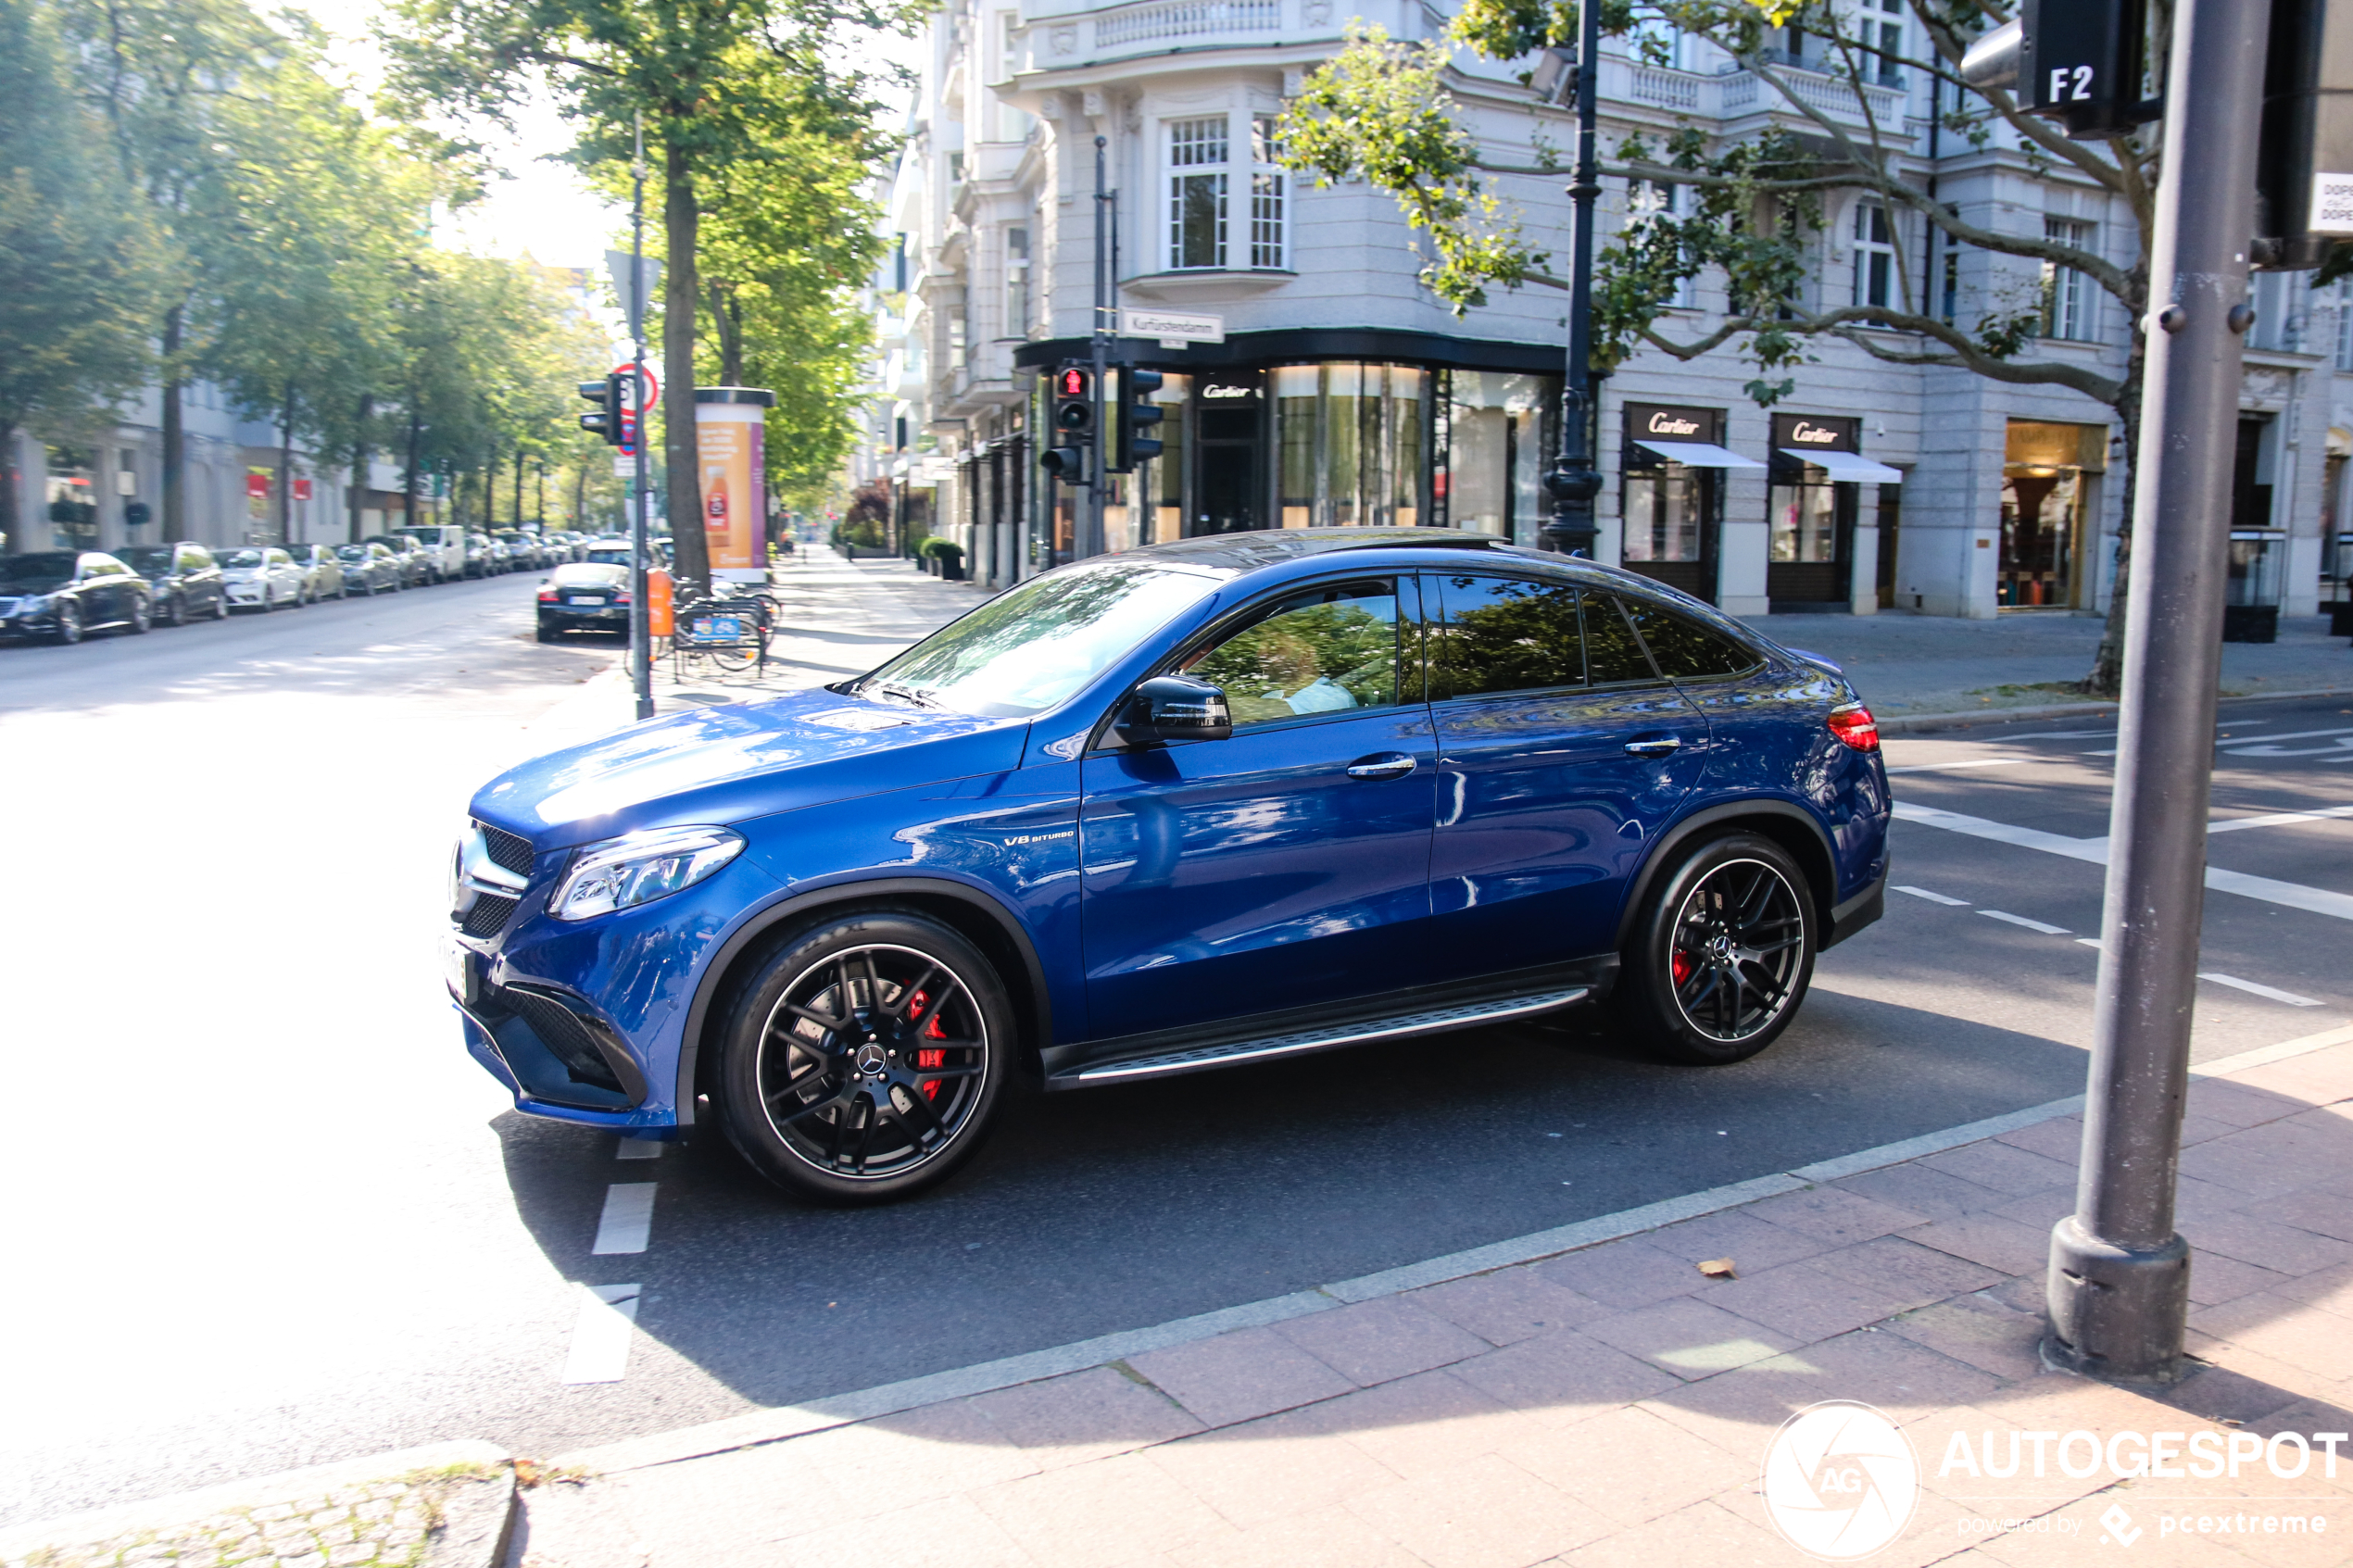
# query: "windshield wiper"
[907,693]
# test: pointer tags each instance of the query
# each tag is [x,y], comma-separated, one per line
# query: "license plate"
[461,968]
[719,628]
[584,598]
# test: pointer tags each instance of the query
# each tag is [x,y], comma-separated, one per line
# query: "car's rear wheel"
[175,611]
[141,618]
[69,622]
[866,1060]
[1720,953]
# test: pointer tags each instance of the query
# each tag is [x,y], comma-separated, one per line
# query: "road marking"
[2290,997]
[638,1149]
[2292,734]
[2292,895]
[1972,762]
[628,1221]
[1936,897]
[2277,819]
[2022,919]
[600,1335]
[2091,942]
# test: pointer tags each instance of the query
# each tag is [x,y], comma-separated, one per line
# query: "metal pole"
[1574,481]
[641,647]
[1090,542]
[2119,1285]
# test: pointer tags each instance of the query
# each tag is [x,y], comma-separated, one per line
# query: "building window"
[1012,124]
[1017,282]
[1266,195]
[1647,201]
[2345,326]
[956,341]
[1197,193]
[1883,34]
[2070,306]
[1949,284]
[1874,255]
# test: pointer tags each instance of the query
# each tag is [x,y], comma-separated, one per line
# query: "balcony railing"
[1185,18]
[1735,94]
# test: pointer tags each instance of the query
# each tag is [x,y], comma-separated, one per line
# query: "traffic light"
[1074,431]
[2304,162]
[611,419]
[1132,416]
[2079,61]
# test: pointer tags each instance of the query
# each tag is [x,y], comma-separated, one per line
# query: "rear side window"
[1684,648]
[1505,635]
[1613,653]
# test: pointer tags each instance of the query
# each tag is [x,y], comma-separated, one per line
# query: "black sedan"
[183,581]
[61,594]
[584,597]
[369,569]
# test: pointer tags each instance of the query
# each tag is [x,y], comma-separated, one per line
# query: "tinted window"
[1324,651]
[147,557]
[1506,635]
[1684,648]
[1612,652]
[192,559]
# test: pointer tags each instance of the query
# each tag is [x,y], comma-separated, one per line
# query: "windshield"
[146,558]
[352,552]
[32,571]
[1029,648]
[233,559]
[608,557]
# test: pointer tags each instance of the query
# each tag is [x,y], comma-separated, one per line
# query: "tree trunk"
[11,514]
[175,433]
[727,320]
[409,472]
[519,488]
[356,497]
[286,469]
[680,218]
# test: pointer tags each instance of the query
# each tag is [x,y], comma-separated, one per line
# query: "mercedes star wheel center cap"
[870,1061]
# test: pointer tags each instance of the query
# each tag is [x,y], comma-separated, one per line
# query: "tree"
[78,268]
[706,75]
[1383,111]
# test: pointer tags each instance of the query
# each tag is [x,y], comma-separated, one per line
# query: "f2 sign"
[2080,62]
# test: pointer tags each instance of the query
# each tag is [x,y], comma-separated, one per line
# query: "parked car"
[579,596]
[444,546]
[416,564]
[322,573]
[261,577]
[368,568]
[1198,804]
[63,594]
[183,581]
[524,550]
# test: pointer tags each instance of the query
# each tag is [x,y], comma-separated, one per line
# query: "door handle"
[1391,767]
[1662,746]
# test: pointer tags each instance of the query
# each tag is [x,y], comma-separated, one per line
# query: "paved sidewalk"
[1613,1405]
[1905,664]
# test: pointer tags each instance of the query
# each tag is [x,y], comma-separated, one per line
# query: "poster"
[731,442]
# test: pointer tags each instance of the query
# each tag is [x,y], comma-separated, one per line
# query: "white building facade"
[1344,393]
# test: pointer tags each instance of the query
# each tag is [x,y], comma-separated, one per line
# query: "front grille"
[489,913]
[510,850]
[560,1030]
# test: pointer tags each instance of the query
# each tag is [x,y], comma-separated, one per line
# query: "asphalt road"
[272,1216]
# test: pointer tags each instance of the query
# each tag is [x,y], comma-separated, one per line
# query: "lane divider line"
[600,1335]
[627,1222]
[2290,997]
[2030,924]
[2277,819]
[1972,762]
[1936,897]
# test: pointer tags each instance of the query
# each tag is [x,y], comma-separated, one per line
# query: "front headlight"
[639,868]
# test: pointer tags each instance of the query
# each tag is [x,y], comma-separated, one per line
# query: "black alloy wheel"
[175,611]
[141,618]
[1720,955]
[69,622]
[865,1060]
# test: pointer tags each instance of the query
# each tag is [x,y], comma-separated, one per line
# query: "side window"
[1613,653]
[1685,649]
[199,559]
[1506,634]
[1322,651]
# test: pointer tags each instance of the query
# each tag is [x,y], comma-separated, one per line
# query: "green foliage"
[934,548]
[1325,646]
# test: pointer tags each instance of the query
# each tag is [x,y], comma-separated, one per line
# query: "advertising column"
[730,444]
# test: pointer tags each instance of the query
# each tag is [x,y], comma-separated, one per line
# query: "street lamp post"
[1573,480]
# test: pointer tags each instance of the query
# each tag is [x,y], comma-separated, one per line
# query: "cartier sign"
[1663,421]
[1214,391]
[1817,433]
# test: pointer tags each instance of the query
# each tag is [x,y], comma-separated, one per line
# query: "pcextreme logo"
[1840,1480]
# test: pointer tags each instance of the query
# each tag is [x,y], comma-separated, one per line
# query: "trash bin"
[2251,597]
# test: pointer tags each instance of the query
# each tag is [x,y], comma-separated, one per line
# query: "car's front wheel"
[175,611]
[866,1059]
[1720,952]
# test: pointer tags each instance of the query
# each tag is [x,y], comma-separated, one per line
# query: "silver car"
[259,577]
[321,573]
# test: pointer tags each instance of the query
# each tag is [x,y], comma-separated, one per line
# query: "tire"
[142,618]
[68,630]
[221,608]
[176,614]
[1720,953]
[821,1102]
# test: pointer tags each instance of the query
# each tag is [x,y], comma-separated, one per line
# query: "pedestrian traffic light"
[611,419]
[1131,416]
[2078,61]
[2304,162]
[1074,431]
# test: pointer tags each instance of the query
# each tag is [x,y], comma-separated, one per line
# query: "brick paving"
[379,1525]
[1613,1405]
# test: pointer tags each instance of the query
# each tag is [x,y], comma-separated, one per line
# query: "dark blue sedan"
[1205,803]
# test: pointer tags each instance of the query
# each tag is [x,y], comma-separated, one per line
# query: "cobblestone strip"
[376,1524]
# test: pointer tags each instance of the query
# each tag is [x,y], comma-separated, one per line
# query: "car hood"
[740,760]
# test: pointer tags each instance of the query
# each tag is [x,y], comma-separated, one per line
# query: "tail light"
[1855,727]
[548,596]
[621,599]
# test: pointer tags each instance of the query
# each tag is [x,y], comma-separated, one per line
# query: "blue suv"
[1208,802]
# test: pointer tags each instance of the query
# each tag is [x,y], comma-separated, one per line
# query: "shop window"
[1492,447]
[70,488]
[1350,444]
[1197,193]
[1167,471]
[1874,255]
[2046,490]
[2070,297]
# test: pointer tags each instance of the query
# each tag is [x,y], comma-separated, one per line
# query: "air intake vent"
[510,850]
[488,916]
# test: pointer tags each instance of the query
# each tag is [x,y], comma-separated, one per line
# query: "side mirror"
[1169,707]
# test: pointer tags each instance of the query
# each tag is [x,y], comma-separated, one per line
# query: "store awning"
[1845,468]
[1698,454]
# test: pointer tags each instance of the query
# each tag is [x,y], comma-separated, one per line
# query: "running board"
[1431,1022]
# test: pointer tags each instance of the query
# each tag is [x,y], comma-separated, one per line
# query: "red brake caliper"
[930,1059]
[1682,965]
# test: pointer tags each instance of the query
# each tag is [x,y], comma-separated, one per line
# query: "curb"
[755,1428]
[1903,722]
[477,1517]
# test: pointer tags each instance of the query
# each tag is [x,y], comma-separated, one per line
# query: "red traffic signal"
[1070,381]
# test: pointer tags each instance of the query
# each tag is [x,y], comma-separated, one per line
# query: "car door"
[1562,753]
[1287,865]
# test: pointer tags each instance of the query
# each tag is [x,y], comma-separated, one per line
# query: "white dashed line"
[2022,919]
[639,1149]
[2091,942]
[1936,897]
[601,1333]
[1972,762]
[2290,997]
[628,1221]
[2278,819]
